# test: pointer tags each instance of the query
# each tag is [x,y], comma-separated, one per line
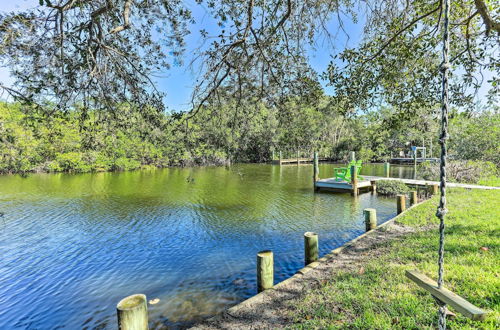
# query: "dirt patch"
[272,308]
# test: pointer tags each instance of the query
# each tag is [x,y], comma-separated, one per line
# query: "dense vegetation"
[83,98]
[465,171]
[34,141]
[391,187]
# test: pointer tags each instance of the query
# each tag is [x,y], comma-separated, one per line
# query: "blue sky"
[178,81]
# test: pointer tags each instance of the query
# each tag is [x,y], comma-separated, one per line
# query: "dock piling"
[132,313]
[315,168]
[401,203]
[370,219]
[374,186]
[311,250]
[415,165]
[352,156]
[265,270]
[413,198]
[354,180]
[434,189]
[387,169]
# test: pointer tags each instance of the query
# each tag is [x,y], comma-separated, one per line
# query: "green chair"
[344,173]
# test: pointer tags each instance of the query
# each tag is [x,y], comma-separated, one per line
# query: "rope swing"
[440,294]
[441,211]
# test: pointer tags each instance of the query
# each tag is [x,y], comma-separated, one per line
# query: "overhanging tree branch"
[388,42]
[485,15]
[126,18]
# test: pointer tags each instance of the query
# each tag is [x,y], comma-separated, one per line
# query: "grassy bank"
[377,295]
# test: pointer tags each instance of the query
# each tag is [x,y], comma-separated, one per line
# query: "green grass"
[490,181]
[382,297]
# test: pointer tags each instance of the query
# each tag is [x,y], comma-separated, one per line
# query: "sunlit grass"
[490,181]
[382,297]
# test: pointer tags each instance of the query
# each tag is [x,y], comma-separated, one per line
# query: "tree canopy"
[398,60]
[106,52]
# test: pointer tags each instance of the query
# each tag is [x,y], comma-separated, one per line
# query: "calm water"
[72,246]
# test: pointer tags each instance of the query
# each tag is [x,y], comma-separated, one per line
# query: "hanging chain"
[441,211]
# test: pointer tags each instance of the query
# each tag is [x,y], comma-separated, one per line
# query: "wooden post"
[280,157]
[352,156]
[374,186]
[316,166]
[415,165]
[273,156]
[370,219]
[311,250]
[354,180]
[413,198]
[265,270]
[387,169]
[401,203]
[434,189]
[297,156]
[315,169]
[132,313]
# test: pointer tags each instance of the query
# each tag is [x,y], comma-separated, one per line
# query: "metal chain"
[441,211]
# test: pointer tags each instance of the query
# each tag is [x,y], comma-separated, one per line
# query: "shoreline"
[246,313]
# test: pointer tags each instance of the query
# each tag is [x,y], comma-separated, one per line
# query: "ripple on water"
[72,246]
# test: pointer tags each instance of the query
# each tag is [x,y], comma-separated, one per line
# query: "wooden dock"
[365,184]
[410,161]
[303,160]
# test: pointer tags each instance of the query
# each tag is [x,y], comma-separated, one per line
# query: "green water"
[73,245]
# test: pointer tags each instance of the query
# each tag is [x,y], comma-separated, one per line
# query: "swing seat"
[446,296]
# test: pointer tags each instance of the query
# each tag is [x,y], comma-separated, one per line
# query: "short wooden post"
[265,270]
[401,203]
[374,186]
[316,166]
[272,156]
[315,170]
[387,169]
[132,313]
[280,156]
[298,157]
[352,156]
[434,189]
[311,250]
[413,198]
[415,165]
[370,219]
[354,180]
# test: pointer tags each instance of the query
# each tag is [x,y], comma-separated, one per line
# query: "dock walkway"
[332,184]
[408,160]
[299,160]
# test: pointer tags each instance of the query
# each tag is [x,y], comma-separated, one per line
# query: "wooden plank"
[446,296]
[430,183]
[332,183]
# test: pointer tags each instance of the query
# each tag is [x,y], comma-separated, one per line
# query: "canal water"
[71,246]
